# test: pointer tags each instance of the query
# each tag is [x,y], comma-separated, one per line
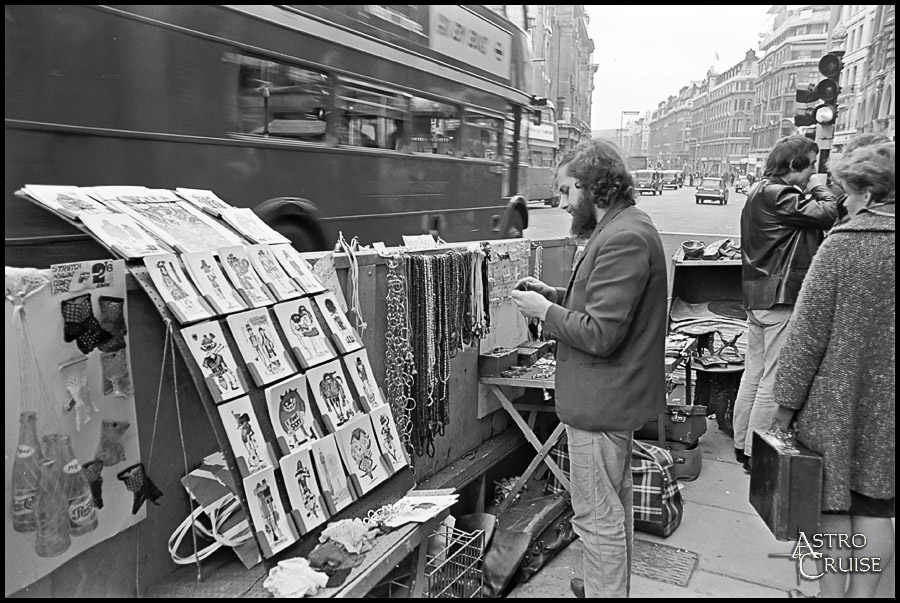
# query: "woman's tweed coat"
[837,366]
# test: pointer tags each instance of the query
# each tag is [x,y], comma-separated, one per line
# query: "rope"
[354,281]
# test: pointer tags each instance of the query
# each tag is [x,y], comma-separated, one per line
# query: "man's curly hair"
[600,169]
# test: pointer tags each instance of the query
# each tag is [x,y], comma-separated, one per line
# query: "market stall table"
[540,378]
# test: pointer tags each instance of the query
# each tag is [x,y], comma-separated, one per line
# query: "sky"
[646,53]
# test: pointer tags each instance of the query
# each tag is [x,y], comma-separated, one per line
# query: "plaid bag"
[658,505]
[560,454]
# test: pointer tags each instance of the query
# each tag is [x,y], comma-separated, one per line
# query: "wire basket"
[454,568]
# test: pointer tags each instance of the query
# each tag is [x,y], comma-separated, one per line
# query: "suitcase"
[786,485]
[687,457]
[683,423]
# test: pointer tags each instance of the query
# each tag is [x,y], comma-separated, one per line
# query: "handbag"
[658,505]
[786,484]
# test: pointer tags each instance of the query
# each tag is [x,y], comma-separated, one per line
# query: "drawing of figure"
[361,451]
[115,231]
[387,437]
[247,433]
[306,278]
[269,265]
[348,335]
[214,362]
[272,362]
[269,512]
[292,416]
[331,392]
[344,401]
[364,377]
[211,277]
[241,267]
[327,486]
[303,325]
[74,204]
[309,499]
[168,280]
[254,342]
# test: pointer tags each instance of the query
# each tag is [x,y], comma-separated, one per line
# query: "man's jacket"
[781,229]
[610,327]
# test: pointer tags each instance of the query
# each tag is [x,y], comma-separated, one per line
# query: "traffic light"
[826,91]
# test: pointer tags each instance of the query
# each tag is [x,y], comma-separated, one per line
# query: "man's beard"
[584,219]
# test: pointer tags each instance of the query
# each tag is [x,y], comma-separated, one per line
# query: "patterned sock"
[116,377]
[93,473]
[112,319]
[140,485]
[112,450]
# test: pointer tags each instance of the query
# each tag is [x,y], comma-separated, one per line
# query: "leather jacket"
[781,229]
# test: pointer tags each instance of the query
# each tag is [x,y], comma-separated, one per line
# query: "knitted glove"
[80,325]
[112,319]
[111,450]
[93,473]
[140,485]
[74,375]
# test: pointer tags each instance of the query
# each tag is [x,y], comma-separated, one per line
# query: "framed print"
[175,289]
[243,220]
[360,371]
[203,200]
[68,201]
[260,346]
[343,335]
[331,394]
[210,280]
[267,512]
[362,457]
[244,435]
[299,474]
[291,413]
[122,234]
[175,221]
[272,274]
[298,269]
[207,344]
[244,277]
[333,479]
[385,429]
[304,334]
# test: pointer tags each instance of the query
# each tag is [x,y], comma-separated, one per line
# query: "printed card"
[385,429]
[332,475]
[260,346]
[267,511]
[176,289]
[343,335]
[211,281]
[207,344]
[271,272]
[300,481]
[244,435]
[331,394]
[298,269]
[360,371]
[359,449]
[291,412]
[304,334]
[244,277]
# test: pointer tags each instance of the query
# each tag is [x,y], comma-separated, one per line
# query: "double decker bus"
[540,156]
[369,120]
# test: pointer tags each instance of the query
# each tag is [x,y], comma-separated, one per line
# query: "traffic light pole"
[824,136]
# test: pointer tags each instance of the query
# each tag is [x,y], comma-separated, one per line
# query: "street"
[673,211]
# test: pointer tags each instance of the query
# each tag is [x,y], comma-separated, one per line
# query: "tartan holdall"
[658,506]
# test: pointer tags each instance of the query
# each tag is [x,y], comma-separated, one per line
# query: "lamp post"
[622,125]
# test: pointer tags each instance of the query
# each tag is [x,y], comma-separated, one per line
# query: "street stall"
[301,384]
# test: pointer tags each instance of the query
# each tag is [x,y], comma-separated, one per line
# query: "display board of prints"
[86,395]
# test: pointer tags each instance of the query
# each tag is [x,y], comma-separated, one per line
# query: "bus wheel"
[516,227]
[302,236]
[296,219]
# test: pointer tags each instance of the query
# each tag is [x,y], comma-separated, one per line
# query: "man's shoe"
[739,455]
[577,586]
[748,463]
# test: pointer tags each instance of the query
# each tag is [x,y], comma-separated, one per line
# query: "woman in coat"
[836,371]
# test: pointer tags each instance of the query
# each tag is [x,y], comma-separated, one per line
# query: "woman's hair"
[865,140]
[865,169]
[599,168]
[790,154]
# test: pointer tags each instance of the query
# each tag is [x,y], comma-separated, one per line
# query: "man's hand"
[529,283]
[782,418]
[531,303]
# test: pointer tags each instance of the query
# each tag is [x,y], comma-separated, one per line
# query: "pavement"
[733,545]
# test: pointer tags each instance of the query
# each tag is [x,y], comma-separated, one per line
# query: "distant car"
[647,181]
[742,185]
[671,179]
[712,189]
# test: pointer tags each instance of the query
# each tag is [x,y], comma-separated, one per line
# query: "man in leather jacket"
[781,228]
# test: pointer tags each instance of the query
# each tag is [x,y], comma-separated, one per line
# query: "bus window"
[483,136]
[281,100]
[369,116]
[435,127]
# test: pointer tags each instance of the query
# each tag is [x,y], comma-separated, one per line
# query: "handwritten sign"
[419,242]
[76,276]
